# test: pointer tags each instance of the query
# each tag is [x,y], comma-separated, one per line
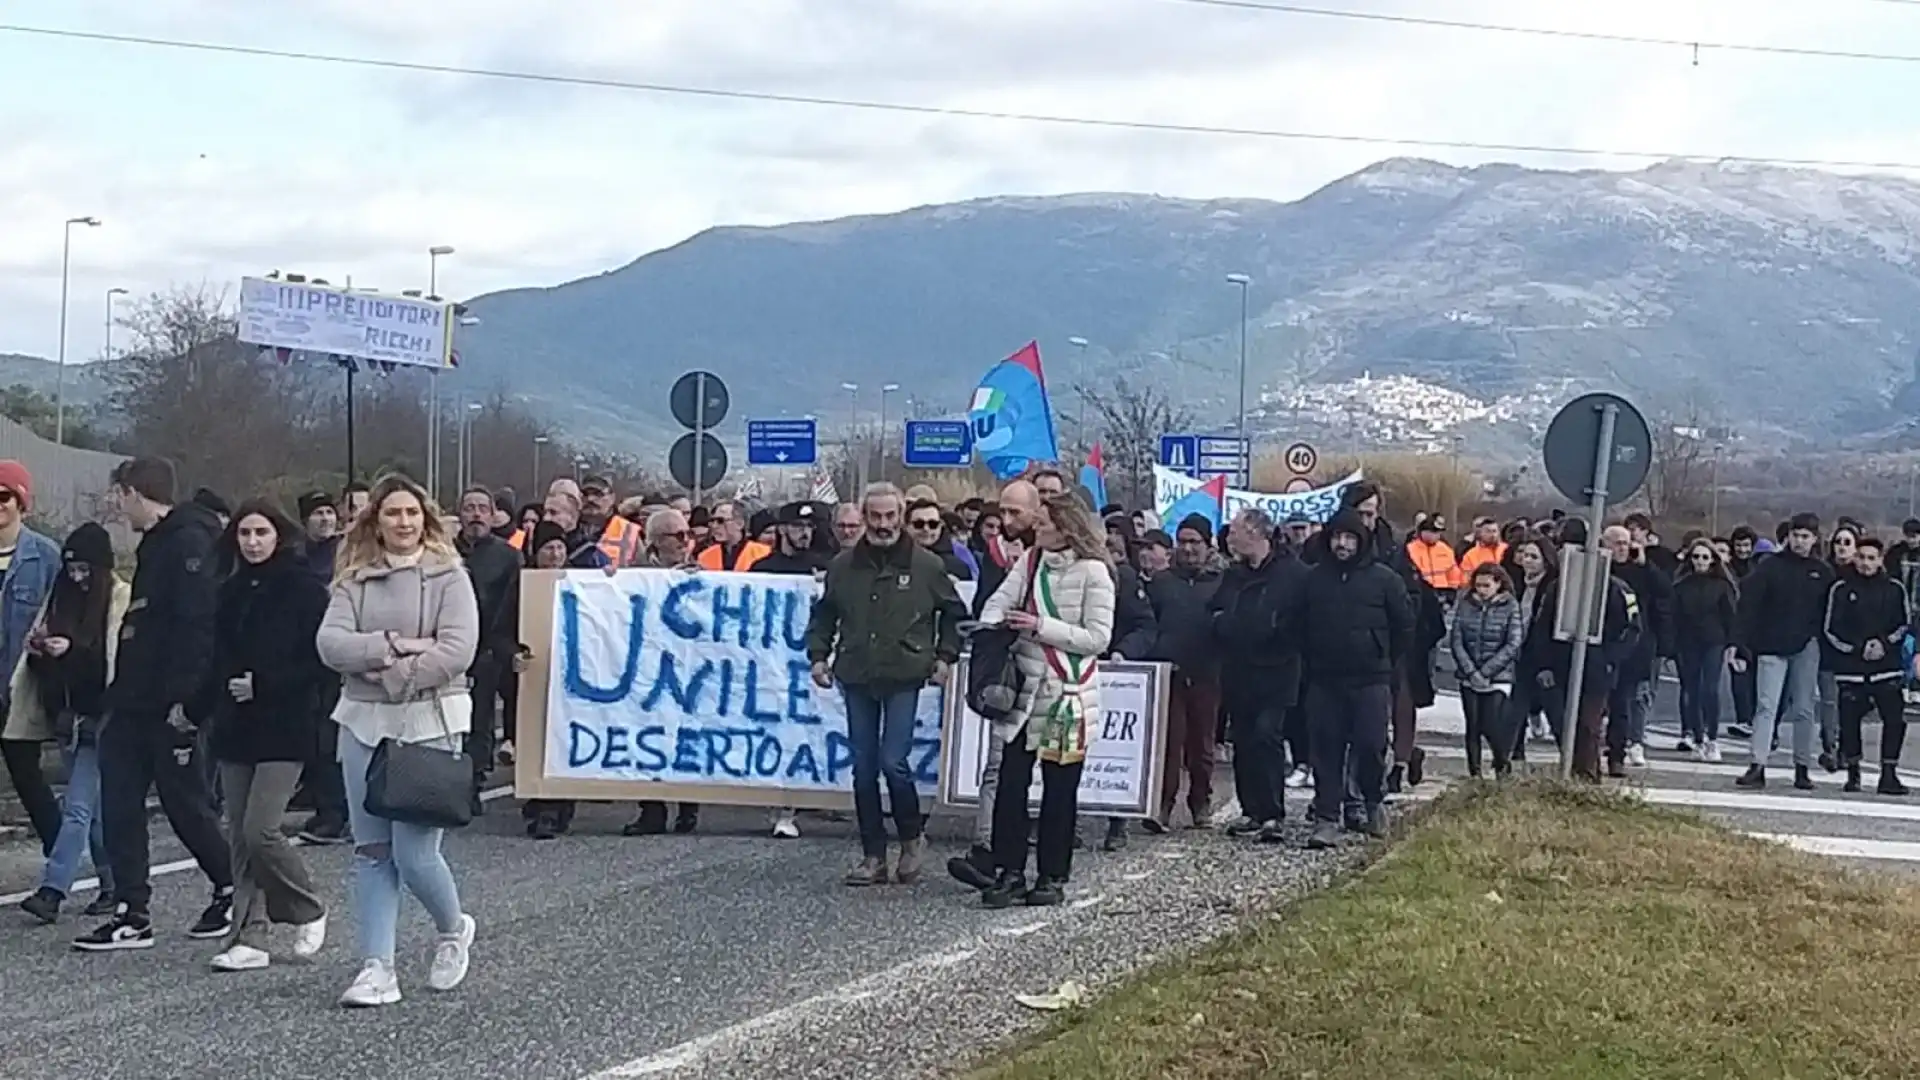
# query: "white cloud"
[208,166]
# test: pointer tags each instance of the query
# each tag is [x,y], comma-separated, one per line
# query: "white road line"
[1086,902]
[1846,847]
[1138,875]
[1021,930]
[691,1053]
[179,865]
[1654,764]
[1779,804]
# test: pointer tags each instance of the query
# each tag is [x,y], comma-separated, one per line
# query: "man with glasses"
[848,525]
[617,537]
[730,548]
[669,547]
[927,529]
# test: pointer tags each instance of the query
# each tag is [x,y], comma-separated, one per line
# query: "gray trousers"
[271,883]
[989,786]
[1784,692]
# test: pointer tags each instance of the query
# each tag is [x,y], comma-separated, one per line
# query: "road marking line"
[693,1051]
[1846,847]
[1086,902]
[1138,875]
[179,865]
[1783,804]
[1654,764]
[1022,930]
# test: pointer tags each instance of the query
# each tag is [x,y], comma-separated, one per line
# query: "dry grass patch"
[1534,932]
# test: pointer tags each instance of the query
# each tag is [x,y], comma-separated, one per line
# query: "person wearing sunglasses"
[29,563]
[1705,611]
[929,530]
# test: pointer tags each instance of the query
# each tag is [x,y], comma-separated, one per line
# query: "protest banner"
[1125,763]
[329,321]
[1318,505]
[695,687]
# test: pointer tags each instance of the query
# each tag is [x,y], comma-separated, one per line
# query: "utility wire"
[956,112]
[1695,46]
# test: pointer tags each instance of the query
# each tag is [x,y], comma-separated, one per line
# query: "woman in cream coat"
[1059,597]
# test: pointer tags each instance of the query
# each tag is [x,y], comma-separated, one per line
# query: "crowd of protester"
[252,663]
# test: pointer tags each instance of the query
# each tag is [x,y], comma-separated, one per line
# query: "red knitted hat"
[15,478]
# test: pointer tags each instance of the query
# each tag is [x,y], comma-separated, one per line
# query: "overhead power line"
[1693,45]
[948,111]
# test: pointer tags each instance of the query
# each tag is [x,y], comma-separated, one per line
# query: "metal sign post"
[699,424]
[1586,611]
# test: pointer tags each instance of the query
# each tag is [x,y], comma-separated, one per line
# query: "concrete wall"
[68,484]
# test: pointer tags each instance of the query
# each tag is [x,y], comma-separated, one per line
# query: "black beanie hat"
[89,544]
[311,501]
[1198,523]
[543,534]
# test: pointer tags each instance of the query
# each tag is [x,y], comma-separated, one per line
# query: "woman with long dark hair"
[267,674]
[1538,587]
[57,694]
[1705,600]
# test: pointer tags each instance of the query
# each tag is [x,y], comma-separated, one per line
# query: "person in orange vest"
[1433,557]
[730,549]
[1488,548]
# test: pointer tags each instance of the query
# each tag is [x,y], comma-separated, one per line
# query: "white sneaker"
[1299,777]
[450,957]
[241,958]
[1711,752]
[1539,730]
[504,754]
[308,938]
[785,827]
[376,985]
[1637,756]
[1700,750]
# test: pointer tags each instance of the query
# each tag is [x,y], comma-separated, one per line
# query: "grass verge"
[1538,931]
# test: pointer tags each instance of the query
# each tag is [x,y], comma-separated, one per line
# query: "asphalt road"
[723,954]
[1861,829]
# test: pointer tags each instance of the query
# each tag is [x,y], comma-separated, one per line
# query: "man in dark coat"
[1357,626]
[495,569]
[1255,613]
[1182,582]
[1867,624]
[1781,606]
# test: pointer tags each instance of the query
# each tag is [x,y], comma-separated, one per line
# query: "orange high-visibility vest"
[1480,555]
[618,541]
[751,552]
[1436,563]
[518,540]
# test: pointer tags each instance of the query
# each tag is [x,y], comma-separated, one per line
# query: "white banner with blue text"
[1318,505]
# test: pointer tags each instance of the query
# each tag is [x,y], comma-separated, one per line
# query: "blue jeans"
[880,727]
[1785,694]
[390,854]
[1701,669]
[80,830]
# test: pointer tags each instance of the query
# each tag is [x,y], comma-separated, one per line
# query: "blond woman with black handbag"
[401,629]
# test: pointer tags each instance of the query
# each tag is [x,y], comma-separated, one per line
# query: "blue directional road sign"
[937,444]
[1221,455]
[782,442]
[1181,453]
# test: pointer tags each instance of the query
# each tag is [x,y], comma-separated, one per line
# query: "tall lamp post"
[465,466]
[856,469]
[889,388]
[538,442]
[433,379]
[1080,389]
[1240,427]
[106,347]
[60,378]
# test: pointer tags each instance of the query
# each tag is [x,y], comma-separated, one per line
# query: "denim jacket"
[23,590]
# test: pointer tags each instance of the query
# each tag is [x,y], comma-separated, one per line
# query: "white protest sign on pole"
[327,320]
[1318,505]
[1125,761]
[672,678]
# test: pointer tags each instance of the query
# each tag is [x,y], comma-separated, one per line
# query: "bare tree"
[1679,480]
[1132,417]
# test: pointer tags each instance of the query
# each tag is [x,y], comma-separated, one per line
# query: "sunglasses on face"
[680,534]
[923,525]
[7,497]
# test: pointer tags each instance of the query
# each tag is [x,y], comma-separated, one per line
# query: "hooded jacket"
[1180,598]
[264,624]
[166,640]
[1357,621]
[1860,610]
[1255,614]
[1782,602]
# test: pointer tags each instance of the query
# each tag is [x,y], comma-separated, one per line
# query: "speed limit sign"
[1301,459]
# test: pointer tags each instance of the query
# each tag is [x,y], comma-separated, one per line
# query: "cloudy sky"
[205,165]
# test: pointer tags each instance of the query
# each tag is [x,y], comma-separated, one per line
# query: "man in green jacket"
[889,621]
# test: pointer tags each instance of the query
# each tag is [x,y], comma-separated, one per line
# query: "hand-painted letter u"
[576,683]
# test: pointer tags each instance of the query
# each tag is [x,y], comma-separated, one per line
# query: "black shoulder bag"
[993,675]
[419,784]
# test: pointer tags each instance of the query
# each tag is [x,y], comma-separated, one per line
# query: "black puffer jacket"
[1860,610]
[1136,626]
[1357,621]
[166,642]
[1705,612]
[1180,597]
[267,616]
[1782,603]
[1255,623]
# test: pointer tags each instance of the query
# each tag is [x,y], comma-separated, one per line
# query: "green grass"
[1533,932]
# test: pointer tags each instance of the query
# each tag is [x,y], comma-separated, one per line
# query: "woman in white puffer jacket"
[1059,597]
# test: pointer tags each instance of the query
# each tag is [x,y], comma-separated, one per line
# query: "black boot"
[1802,778]
[1890,780]
[1008,889]
[1416,767]
[1395,779]
[1046,892]
[1754,777]
[974,869]
[1116,837]
[1853,777]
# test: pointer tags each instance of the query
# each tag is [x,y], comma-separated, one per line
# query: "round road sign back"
[1572,445]
[711,460]
[686,395]
[1301,459]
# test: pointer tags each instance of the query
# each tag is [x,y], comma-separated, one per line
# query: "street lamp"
[1080,390]
[60,378]
[538,442]
[857,468]
[433,380]
[1240,429]
[889,388]
[466,444]
[106,350]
